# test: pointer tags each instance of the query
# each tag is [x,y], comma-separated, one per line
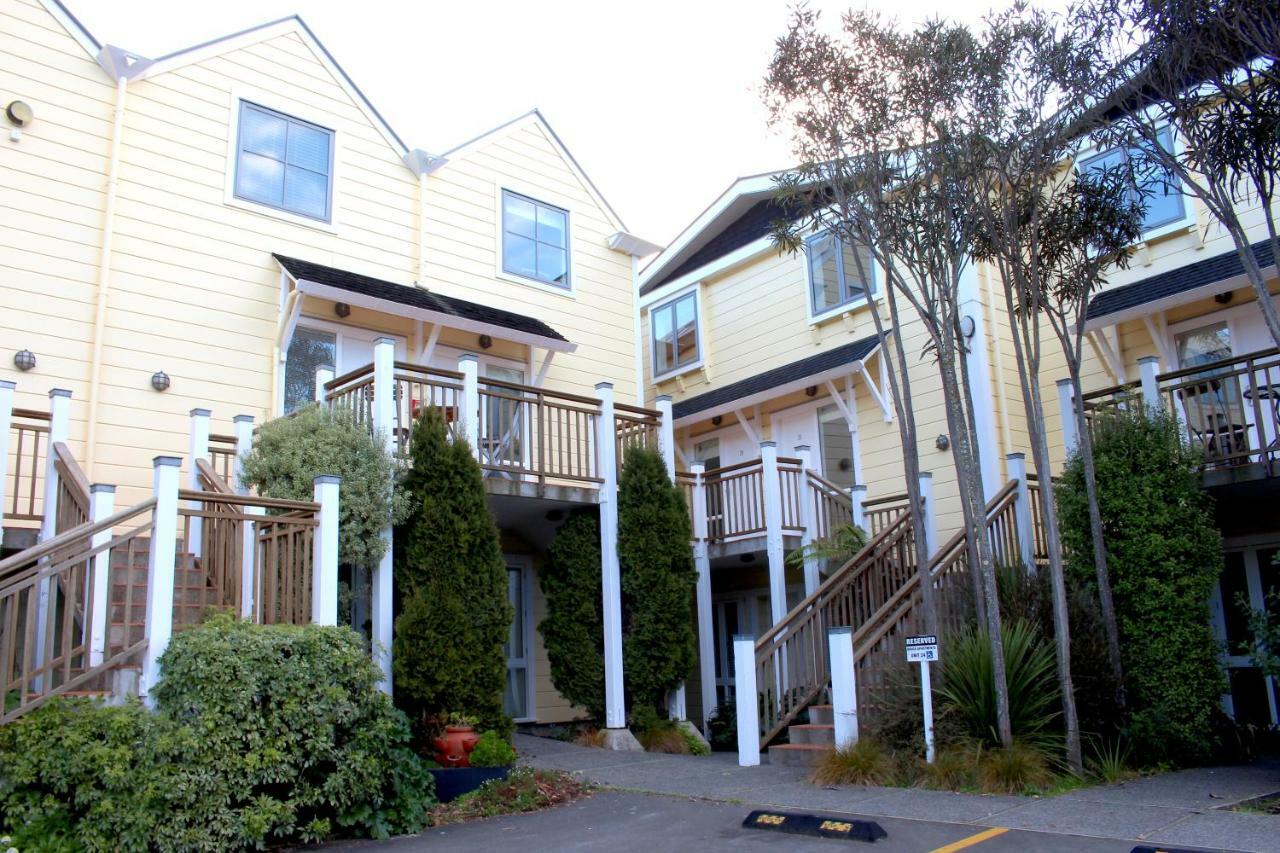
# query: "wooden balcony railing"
[222,457]
[735,500]
[881,513]
[832,508]
[28,444]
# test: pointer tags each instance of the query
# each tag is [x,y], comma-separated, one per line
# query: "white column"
[610,574]
[744,665]
[324,552]
[1148,367]
[1017,465]
[979,370]
[249,563]
[855,440]
[199,449]
[844,686]
[383,583]
[469,367]
[102,502]
[930,513]
[858,497]
[59,425]
[324,375]
[772,493]
[243,425]
[1067,411]
[667,436]
[160,568]
[706,614]
[6,423]
[676,709]
[808,520]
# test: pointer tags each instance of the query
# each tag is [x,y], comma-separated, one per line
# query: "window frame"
[1093,153]
[870,291]
[564,289]
[694,293]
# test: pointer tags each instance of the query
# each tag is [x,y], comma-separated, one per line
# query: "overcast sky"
[658,100]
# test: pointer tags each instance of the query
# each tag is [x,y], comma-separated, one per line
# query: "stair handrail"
[56,543]
[73,485]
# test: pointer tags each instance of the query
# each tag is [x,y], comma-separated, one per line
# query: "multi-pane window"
[535,240]
[675,334]
[835,276]
[1152,184]
[284,163]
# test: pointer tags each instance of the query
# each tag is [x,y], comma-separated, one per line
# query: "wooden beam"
[1158,329]
[428,347]
[845,409]
[1107,354]
[885,408]
[542,370]
[751,432]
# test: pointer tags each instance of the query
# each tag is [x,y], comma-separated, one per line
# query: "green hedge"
[261,735]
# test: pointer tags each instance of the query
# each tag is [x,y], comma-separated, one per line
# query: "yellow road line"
[985,835]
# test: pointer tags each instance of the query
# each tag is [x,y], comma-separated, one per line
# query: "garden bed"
[523,790]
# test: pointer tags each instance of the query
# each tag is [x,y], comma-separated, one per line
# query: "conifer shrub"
[452,584]
[1165,556]
[573,631]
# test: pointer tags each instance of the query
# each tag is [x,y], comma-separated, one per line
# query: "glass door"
[503,421]
[1211,401]
[517,698]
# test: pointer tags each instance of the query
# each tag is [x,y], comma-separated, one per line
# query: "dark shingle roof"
[416,297]
[1175,281]
[814,364]
[755,223]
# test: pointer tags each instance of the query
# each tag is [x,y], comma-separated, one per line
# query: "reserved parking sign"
[922,649]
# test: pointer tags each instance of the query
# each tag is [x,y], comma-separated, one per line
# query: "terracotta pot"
[454,749]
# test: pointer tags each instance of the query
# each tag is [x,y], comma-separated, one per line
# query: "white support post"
[1067,411]
[199,449]
[858,497]
[1017,465]
[1148,368]
[706,615]
[102,502]
[249,563]
[808,521]
[930,513]
[59,425]
[160,569]
[772,494]
[667,436]
[324,552]
[6,423]
[382,587]
[844,686]
[469,367]
[676,709]
[744,666]
[324,375]
[610,579]
[243,425]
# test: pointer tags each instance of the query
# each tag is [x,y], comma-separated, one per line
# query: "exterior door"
[1249,582]
[1213,409]
[517,699]
[318,342]
[795,427]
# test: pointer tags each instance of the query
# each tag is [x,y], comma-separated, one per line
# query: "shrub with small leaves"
[492,750]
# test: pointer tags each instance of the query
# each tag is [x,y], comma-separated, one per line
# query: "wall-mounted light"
[811,391]
[160,381]
[19,115]
[485,342]
[24,360]
[942,442]
[845,464]
[1223,298]
[717,420]
[967,326]
[342,309]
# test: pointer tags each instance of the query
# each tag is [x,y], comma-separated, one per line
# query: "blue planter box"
[453,782]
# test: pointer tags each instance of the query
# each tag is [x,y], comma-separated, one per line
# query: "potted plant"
[453,748]
[489,757]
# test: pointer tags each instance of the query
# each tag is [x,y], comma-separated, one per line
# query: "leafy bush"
[658,580]
[722,727]
[1014,769]
[447,652]
[968,683]
[289,453]
[694,744]
[1165,558]
[492,750]
[867,762]
[573,630]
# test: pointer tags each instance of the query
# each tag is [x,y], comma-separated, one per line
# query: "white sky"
[658,99]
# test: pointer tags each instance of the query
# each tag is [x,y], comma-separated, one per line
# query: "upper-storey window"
[284,163]
[835,277]
[1159,188]
[675,334]
[535,240]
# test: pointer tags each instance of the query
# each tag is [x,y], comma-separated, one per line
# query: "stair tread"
[813,726]
[801,747]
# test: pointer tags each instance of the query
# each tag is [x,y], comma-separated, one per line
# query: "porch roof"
[1174,287]
[779,380]
[368,292]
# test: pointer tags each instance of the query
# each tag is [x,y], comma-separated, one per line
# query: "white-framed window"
[834,277]
[535,239]
[675,334]
[1162,192]
[284,163]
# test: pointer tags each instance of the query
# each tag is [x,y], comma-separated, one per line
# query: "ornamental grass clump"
[866,762]
[1021,768]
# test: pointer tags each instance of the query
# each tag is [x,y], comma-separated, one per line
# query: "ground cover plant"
[524,790]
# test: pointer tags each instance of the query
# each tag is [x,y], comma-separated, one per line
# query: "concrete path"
[1175,809]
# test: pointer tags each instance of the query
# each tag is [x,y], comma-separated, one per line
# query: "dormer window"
[284,163]
[835,277]
[1160,189]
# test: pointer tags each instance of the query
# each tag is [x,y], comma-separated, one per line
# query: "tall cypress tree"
[573,631]
[452,583]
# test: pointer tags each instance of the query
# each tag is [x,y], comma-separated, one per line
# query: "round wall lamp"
[342,309]
[160,381]
[967,326]
[19,113]
[1223,298]
[717,420]
[845,464]
[942,442]
[485,342]
[811,391]
[24,360]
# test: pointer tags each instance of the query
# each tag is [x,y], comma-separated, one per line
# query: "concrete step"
[821,715]
[795,754]
[818,735]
